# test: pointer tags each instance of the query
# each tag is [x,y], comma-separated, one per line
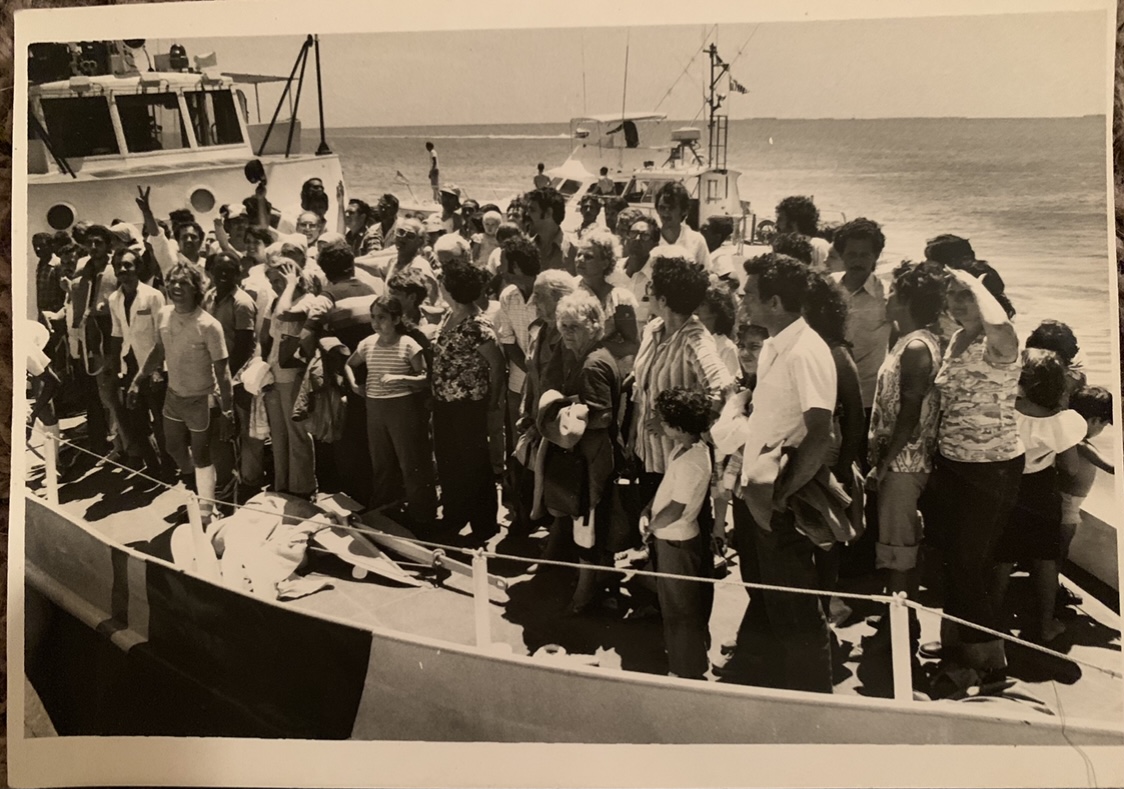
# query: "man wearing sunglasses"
[409,240]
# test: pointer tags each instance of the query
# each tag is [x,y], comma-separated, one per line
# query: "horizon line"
[763,118]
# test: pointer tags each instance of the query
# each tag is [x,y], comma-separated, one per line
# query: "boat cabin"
[99,121]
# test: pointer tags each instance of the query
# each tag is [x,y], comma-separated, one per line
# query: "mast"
[716,124]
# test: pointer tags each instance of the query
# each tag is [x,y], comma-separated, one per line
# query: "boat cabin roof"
[620,117]
[147,82]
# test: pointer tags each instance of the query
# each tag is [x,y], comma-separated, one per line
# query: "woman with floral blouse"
[468,381]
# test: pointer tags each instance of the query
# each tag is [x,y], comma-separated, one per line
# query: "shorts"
[195,412]
[900,528]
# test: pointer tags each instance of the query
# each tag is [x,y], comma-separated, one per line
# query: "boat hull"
[286,673]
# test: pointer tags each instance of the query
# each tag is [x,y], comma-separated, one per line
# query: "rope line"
[469,552]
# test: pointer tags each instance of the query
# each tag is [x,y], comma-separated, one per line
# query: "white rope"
[876,598]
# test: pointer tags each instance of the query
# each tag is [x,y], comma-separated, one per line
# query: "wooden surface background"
[7,8]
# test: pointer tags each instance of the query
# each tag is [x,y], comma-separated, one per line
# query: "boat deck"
[532,614]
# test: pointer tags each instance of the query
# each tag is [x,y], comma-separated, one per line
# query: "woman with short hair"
[597,257]
[590,378]
[468,382]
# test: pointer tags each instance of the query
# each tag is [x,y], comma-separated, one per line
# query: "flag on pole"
[737,86]
[399,177]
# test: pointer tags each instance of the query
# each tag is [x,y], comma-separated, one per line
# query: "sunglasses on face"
[406,233]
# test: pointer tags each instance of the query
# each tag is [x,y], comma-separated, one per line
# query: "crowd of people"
[638,386]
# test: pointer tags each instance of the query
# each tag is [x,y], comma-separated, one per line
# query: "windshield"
[213,117]
[152,122]
[79,126]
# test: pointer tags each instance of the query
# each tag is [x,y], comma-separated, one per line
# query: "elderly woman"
[294,460]
[979,461]
[590,378]
[597,257]
[544,356]
[468,381]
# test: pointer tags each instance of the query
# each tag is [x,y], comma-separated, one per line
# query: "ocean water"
[1029,193]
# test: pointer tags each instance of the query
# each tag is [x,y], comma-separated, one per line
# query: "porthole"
[202,200]
[60,216]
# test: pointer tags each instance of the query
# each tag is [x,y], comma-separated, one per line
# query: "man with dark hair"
[187,245]
[49,295]
[134,310]
[513,326]
[798,214]
[860,242]
[380,235]
[673,203]
[236,312]
[90,328]
[783,638]
[314,197]
[546,210]
[725,263]
[357,218]
[342,312]
[590,208]
[642,237]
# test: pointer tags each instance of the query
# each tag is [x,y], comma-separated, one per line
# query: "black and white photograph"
[439,395]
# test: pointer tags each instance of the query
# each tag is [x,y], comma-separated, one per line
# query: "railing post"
[51,460]
[899,648]
[481,604]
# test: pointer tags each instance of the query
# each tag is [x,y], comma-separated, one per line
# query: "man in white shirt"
[634,272]
[784,637]
[673,203]
[859,243]
[134,309]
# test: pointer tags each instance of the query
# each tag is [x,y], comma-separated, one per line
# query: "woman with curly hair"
[676,351]
[590,377]
[598,252]
[903,424]
[468,382]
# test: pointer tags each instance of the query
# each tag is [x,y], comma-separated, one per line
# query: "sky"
[1010,65]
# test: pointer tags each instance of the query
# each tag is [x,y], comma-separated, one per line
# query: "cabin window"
[152,122]
[714,190]
[79,126]
[214,117]
[568,187]
[644,190]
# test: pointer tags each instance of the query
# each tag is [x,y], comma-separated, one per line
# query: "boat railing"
[898,603]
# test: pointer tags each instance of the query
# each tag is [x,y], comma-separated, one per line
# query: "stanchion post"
[899,648]
[481,604]
[51,460]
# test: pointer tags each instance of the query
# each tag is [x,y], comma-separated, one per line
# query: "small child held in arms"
[1050,434]
[677,545]
[1094,404]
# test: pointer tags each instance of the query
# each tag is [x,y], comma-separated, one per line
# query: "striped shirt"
[684,358]
[383,360]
